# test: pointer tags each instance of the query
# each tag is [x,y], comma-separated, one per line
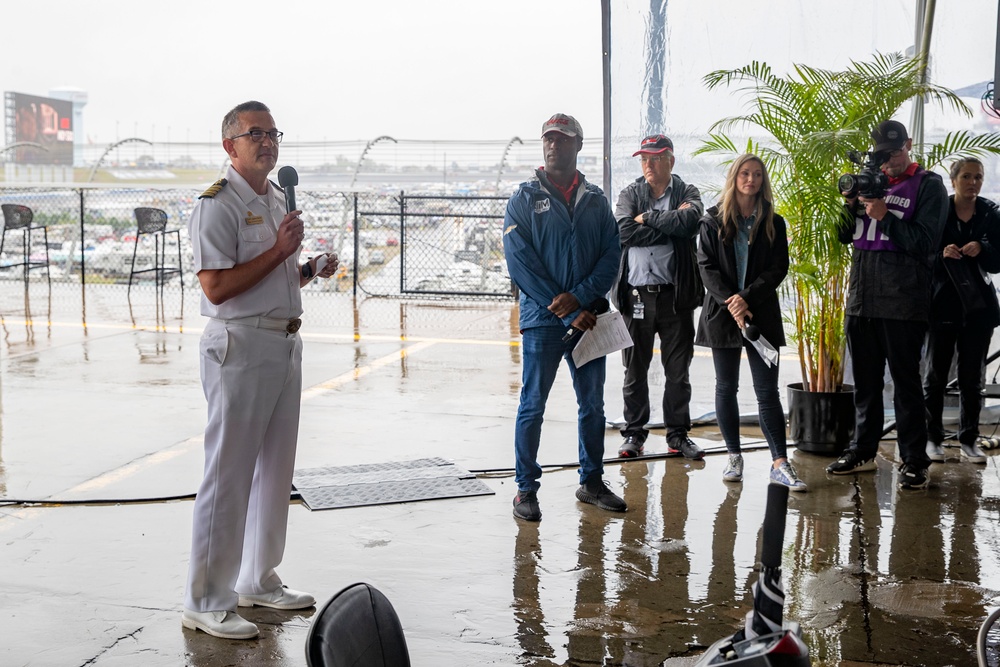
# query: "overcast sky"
[432,69]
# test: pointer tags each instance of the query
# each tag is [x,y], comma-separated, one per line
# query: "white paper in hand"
[766,351]
[609,335]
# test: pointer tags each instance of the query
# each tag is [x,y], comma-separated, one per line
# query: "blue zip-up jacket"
[550,252]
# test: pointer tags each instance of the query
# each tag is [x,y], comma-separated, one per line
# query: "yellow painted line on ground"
[701,352]
[102,481]
[360,372]
[89,325]
[308,335]
[129,469]
[388,338]
[150,461]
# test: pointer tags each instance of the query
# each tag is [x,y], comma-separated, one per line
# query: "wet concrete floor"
[96,407]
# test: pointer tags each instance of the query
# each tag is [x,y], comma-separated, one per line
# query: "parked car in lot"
[467,256]
[377,257]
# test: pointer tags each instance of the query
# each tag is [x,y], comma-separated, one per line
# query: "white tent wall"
[687,39]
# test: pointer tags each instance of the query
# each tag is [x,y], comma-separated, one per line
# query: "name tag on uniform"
[541,206]
[254,219]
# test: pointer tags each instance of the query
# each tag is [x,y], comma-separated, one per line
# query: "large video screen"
[43,121]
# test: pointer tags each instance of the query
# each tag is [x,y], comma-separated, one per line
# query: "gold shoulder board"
[213,189]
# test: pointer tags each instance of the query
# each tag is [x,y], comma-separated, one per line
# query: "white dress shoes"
[224,624]
[282,598]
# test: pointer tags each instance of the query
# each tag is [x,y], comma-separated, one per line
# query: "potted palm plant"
[811,118]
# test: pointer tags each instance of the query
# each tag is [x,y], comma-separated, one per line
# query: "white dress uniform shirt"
[233,228]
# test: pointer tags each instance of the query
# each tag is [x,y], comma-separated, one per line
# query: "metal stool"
[18,218]
[154,221]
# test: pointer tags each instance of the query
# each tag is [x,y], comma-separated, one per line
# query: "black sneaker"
[631,447]
[596,492]
[526,506]
[912,477]
[684,445]
[851,462]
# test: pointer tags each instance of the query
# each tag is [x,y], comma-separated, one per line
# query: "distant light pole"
[23,144]
[368,147]
[342,233]
[110,148]
[923,27]
[503,159]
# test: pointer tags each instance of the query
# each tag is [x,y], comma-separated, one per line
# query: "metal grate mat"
[385,483]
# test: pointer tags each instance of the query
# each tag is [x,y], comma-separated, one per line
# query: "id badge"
[638,307]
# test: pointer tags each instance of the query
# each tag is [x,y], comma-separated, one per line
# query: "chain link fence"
[388,244]
[431,245]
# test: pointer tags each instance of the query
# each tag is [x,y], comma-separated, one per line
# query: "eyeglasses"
[257,136]
[651,158]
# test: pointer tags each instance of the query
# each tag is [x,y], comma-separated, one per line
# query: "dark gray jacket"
[659,227]
[767,266]
[946,301]
[897,285]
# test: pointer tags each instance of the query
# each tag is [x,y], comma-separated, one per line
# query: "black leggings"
[765,385]
[972,343]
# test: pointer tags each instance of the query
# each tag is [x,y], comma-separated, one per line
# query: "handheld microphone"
[288,178]
[751,331]
[597,306]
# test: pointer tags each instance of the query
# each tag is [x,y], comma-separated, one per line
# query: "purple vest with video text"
[901,200]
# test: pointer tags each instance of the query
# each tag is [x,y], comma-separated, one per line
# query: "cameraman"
[895,237]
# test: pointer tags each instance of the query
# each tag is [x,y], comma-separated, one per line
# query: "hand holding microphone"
[740,311]
[288,178]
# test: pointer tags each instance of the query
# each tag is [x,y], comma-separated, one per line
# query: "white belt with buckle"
[272,323]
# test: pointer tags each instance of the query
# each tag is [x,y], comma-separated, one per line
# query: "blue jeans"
[765,386]
[542,351]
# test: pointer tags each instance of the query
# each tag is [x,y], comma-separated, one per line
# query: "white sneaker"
[935,452]
[973,454]
[282,598]
[734,469]
[224,624]
[785,476]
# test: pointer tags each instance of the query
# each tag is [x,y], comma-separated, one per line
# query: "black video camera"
[869,182]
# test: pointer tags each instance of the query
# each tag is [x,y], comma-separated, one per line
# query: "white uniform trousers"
[252,380]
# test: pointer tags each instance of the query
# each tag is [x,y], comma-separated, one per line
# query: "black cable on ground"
[487,472]
[52,502]
[500,472]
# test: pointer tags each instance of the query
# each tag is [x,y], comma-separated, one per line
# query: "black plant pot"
[820,422]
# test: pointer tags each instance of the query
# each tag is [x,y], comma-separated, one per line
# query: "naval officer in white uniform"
[246,255]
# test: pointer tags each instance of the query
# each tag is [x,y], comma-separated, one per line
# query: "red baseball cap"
[655,144]
[562,123]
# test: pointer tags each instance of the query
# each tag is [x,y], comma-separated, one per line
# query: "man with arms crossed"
[657,290]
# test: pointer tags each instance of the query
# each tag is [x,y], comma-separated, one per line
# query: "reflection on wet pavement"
[113,409]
